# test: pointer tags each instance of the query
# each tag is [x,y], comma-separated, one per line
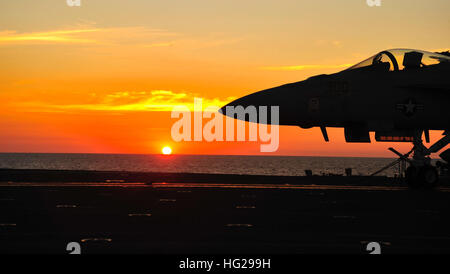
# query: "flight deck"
[120,216]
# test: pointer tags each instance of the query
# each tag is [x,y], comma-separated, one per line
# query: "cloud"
[198,43]
[305,67]
[136,36]
[327,43]
[162,44]
[155,100]
[84,35]
[61,36]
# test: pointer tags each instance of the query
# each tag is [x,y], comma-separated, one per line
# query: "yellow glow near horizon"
[166,150]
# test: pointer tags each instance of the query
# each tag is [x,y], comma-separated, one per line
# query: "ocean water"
[252,165]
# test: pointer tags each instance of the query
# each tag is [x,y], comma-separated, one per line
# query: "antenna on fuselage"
[324,133]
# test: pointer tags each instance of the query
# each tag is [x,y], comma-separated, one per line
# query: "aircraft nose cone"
[248,103]
[241,102]
[264,103]
[288,100]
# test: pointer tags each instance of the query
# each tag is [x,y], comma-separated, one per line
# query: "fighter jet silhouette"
[399,94]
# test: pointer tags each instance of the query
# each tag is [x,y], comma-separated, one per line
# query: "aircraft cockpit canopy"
[402,59]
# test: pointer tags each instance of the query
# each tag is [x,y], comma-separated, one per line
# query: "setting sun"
[166,150]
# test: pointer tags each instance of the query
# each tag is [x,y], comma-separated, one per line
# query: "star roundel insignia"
[409,107]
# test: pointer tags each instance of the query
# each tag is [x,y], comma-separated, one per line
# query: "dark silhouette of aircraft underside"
[399,94]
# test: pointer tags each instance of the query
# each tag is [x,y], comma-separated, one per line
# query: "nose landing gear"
[425,176]
[420,172]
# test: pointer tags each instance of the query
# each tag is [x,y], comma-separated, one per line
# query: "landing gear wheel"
[421,173]
[411,176]
[428,176]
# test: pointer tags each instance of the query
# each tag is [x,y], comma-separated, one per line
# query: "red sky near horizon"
[102,77]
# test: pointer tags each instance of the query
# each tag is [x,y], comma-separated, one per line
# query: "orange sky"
[102,77]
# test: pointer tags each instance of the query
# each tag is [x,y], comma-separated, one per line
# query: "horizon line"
[186,154]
